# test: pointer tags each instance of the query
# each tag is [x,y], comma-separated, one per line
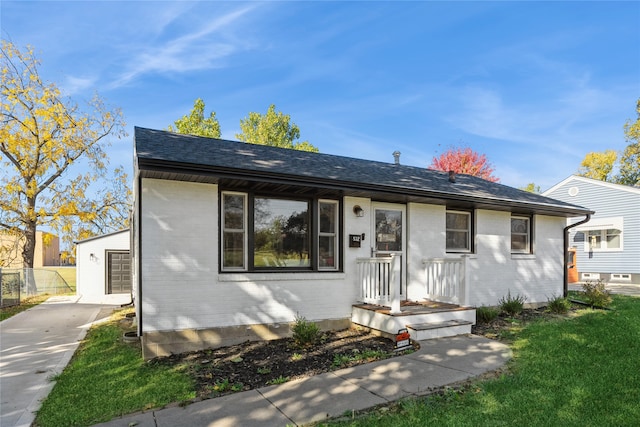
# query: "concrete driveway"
[36,345]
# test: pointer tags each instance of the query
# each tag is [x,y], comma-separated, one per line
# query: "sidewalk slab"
[248,409]
[472,354]
[394,380]
[317,398]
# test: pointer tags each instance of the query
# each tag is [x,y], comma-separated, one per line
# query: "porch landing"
[424,319]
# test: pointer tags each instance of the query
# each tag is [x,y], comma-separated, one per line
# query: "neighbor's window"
[458,231]
[327,234]
[234,207]
[281,233]
[603,240]
[520,234]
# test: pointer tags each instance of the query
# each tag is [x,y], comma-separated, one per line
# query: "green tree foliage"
[42,136]
[603,165]
[274,129]
[196,124]
[598,165]
[630,159]
[531,188]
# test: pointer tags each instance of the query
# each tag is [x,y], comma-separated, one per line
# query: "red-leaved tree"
[464,160]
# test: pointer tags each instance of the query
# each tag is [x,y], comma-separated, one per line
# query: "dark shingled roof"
[169,155]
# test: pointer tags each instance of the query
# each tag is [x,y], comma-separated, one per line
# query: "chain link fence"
[16,284]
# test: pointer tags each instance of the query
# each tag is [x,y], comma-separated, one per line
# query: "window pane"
[388,230]
[327,251]
[613,239]
[519,243]
[457,221]
[595,239]
[233,250]
[328,217]
[281,233]
[457,240]
[519,225]
[233,211]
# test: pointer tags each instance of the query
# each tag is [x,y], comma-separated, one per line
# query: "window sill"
[523,256]
[280,277]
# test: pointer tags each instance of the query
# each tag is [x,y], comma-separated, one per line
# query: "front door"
[389,233]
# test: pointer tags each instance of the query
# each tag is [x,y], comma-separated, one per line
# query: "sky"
[534,86]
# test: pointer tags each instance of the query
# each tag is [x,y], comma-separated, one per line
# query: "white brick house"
[232,241]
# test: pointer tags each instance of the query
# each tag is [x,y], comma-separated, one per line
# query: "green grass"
[578,372]
[108,378]
[68,274]
[26,304]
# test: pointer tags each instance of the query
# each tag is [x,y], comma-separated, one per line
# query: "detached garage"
[103,268]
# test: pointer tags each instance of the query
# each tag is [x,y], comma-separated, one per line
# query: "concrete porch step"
[449,328]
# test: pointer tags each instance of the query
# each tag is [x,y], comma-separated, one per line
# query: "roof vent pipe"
[396,157]
[452,176]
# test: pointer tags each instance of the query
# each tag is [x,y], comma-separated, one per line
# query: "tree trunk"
[28,252]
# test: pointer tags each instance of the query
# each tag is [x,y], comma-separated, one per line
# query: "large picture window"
[280,233]
[458,231]
[261,233]
[520,234]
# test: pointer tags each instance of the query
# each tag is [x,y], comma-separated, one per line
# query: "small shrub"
[296,356]
[558,305]
[279,380]
[512,305]
[264,371]
[596,294]
[486,314]
[224,385]
[305,333]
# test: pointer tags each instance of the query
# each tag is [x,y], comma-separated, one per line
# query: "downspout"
[565,288]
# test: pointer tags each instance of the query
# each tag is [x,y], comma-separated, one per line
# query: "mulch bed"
[257,364]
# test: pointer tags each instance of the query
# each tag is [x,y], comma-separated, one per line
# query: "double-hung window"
[520,234]
[458,231]
[264,233]
[327,234]
[234,231]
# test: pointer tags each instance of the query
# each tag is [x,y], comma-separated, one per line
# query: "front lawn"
[579,371]
[107,378]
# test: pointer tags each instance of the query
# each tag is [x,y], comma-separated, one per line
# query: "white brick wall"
[182,288]
[494,271]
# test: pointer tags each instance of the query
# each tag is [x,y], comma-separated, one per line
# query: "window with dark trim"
[521,234]
[272,233]
[458,231]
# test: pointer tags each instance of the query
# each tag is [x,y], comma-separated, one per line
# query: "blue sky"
[533,85]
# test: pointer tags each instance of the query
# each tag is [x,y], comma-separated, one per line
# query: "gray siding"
[607,200]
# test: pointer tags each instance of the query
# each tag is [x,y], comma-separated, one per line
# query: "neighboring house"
[232,241]
[608,246]
[103,267]
[46,253]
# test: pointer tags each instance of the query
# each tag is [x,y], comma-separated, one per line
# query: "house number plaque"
[355,240]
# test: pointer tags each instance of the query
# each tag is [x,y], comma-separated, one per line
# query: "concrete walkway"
[36,345]
[438,362]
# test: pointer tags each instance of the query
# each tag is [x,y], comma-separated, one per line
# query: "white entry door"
[389,231]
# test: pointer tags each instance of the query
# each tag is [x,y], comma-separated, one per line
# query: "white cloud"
[197,50]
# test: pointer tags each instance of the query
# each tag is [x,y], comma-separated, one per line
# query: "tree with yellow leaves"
[42,136]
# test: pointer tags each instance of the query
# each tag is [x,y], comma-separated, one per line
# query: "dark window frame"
[314,233]
[470,230]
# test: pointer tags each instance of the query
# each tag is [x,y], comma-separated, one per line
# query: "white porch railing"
[379,280]
[446,280]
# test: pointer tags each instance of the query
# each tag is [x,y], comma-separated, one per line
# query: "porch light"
[358,211]
[92,257]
